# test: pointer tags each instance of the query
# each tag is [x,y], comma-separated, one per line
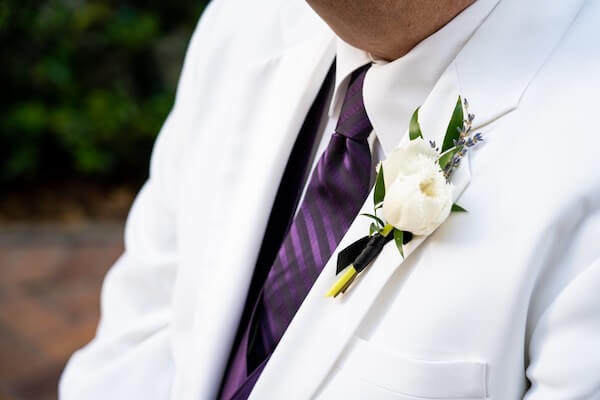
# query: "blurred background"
[85,87]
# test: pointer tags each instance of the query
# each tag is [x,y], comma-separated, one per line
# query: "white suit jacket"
[502,302]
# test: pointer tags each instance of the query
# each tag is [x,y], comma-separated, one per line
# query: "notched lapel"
[496,66]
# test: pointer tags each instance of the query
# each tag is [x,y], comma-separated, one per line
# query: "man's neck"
[387,30]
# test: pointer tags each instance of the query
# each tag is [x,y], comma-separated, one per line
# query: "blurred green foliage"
[86,85]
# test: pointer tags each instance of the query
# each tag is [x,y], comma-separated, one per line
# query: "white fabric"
[393,90]
[499,303]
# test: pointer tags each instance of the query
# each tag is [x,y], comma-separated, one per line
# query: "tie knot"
[353,121]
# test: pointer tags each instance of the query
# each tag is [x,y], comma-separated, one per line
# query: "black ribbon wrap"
[371,251]
[362,252]
[349,254]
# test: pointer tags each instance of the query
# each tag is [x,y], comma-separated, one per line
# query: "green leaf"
[377,219]
[373,229]
[456,123]
[446,157]
[379,193]
[457,208]
[399,238]
[414,129]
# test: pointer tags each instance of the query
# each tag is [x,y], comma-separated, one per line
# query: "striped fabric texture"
[336,191]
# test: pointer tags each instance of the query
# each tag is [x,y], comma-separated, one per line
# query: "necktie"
[336,191]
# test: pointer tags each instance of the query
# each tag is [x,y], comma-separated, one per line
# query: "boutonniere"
[413,193]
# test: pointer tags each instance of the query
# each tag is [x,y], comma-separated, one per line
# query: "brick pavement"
[50,278]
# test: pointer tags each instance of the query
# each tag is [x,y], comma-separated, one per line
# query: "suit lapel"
[322,327]
[280,108]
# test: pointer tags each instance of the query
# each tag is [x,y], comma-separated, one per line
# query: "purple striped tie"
[336,191]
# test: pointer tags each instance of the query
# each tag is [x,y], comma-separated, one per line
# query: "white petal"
[419,201]
[407,159]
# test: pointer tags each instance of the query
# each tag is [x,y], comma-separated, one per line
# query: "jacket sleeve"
[564,346]
[130,357]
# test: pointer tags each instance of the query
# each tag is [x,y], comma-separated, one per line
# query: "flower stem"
[387,229]
[343,282]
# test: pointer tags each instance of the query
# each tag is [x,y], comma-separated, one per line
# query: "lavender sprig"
[434,145]
[465,142]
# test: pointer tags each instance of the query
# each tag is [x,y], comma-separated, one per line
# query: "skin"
[387,29]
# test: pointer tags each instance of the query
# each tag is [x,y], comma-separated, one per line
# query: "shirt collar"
[393,90]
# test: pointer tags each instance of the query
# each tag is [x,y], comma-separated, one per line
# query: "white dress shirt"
[392,91]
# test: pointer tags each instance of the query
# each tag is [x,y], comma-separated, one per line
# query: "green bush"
[86,85]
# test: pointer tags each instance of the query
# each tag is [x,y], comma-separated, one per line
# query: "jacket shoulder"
[257,30]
